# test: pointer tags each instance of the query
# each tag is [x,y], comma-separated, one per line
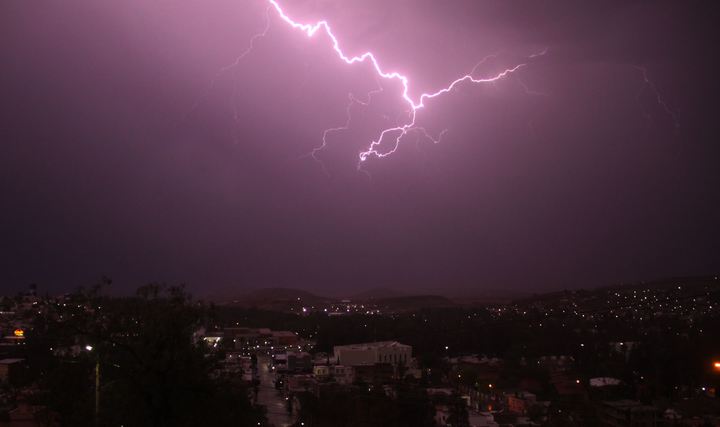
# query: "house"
[387,352]
[627,413]
[379,373]
[284,338]
[341,374]
[520,402]
[299,362]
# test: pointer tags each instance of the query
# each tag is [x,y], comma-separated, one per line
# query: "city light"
[88,347]
[716,365]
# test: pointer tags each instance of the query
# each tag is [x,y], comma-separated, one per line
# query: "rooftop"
[371,345]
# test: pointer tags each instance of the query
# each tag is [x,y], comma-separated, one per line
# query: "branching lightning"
[408,123]
[648,84]
[397,132]
[352,101]
[236,62]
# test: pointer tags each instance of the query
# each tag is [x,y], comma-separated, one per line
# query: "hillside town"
[634,355]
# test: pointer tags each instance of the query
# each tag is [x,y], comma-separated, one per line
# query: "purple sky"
[119,157]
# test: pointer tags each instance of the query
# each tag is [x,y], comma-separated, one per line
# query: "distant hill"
[485,297]
[293,300]
[376,294]
[687,286]
[279,299]
[415,302]
[462,297]
[665,283]
[281,294]
[392,300]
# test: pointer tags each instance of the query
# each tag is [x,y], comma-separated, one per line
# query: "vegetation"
[142,350]
[365,405]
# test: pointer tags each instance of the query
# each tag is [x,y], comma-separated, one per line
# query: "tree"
[365,405]
[152,373]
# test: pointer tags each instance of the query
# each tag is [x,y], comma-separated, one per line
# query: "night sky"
[125,153]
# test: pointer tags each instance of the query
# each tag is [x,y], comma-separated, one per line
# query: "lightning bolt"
[648,84]
[397,132]
[352,101]
[235,63]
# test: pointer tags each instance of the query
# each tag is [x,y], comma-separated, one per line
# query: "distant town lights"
[716,365]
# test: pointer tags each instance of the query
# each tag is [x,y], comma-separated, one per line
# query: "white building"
[391,352]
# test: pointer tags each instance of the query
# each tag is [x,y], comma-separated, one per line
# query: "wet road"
[271,398]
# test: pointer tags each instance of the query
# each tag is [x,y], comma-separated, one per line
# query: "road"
[269,397]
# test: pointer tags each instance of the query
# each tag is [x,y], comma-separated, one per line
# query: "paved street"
[271,398]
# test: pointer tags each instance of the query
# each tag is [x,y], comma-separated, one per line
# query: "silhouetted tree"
[152,372]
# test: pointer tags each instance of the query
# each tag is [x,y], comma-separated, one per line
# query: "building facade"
[384,352]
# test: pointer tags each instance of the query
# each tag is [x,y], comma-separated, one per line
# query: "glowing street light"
[88,347]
